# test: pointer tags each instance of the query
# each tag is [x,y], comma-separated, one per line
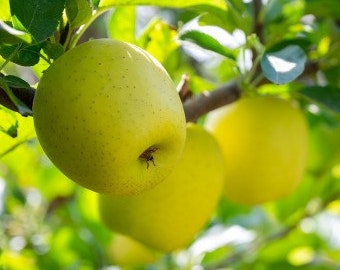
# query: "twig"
[200,104]
[183,88]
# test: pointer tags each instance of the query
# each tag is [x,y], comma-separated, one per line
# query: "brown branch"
[183,88]
[205,102]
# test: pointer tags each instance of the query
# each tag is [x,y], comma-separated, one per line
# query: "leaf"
[78,12]
[161,40]
[22,108]
[21,54]
[285,65]
[327,96]
[14,81]
[40,18]
[325,8]
[9,35]
[53,50]
[208,42]
[9,123]
[5,14]
[95,2]
[123,31]
[165,3]
[216,255]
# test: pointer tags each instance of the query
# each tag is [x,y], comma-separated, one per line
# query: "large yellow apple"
[264,142]
[108,116]
[169,216]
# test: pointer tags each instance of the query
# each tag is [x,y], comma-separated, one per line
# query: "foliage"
[287,48]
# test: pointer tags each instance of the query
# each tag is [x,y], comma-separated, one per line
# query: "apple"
[264,141]
[169,216]
[109,117]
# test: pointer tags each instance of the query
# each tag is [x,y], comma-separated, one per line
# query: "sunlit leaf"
[123,31]
[159,39]
[301,255]
[8,122]
[164,3]
[285,65]
[208,42]
[5,13]
[78,12]
[24,131]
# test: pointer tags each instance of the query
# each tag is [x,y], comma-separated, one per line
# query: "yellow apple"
[108,116]
[127,252]
[264,142]
[169,216]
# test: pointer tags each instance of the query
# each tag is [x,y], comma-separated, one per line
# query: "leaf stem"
[83,28]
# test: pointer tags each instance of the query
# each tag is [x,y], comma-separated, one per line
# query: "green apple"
[169,216]
[109,117]
[265,143]
[127,252]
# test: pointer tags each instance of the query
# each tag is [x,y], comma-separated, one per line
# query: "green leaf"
[95,2]
[22,108]
[9,35]
[297,201]
[8,122]
[78,12]
[53,50]
[208,42]
[21,54]
[327,96]
[14,81]
[159,39]
[285,65]
[165,3]
[5,14]
[325,8]
[40,18]
[123,31]
[215,256]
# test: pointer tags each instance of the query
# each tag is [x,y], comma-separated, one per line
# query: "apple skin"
[264,141]
[99,107]
[169,216]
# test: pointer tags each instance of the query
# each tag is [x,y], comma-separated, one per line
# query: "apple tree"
[217,52]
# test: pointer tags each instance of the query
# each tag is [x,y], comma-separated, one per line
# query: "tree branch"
[207,101]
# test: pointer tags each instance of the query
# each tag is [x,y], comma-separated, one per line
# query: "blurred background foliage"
[47,222]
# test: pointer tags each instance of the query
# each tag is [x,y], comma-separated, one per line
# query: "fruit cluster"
[108,116]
